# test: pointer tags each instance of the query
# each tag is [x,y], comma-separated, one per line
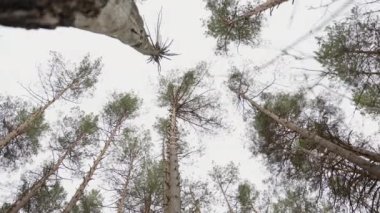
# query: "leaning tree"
[118,19]
[305,140]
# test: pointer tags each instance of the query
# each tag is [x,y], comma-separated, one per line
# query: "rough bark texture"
[25,197]
[22,128]
[119,19]
[372,169]
[33,14]
[87,178]
[173,181]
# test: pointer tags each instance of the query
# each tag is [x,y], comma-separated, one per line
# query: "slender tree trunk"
[367,52]
[22,128]
[118,19]
[87,178]
[174,190]
[372,169]
[147,205]
[166,193]
[230,210]
[259,9]
[25,197]
[124,192]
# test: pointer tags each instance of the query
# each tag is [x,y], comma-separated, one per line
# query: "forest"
[202,106]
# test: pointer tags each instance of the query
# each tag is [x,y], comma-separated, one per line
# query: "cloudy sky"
[22,52]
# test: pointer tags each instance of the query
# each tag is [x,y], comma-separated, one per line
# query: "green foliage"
[368,98]
[122,106]
[246,197]
[297,158]
[195,196]
[227,25]
[77,79]
[48,199]
[147,190]
[297,201]
[91,202]
[225,176]
[76,125]
[350,51]
[5,207]
[136,144]
[191,97]
[14,112]
[273,143]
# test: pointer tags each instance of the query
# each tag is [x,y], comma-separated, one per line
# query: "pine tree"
[14,112]
[115,113]
[75,132]
[246,197]
[350,51]
[187,99]
[60,82]
[49,198]
[231,22]
[224,179]
[196,196]
[128,157]
[91,202]
[305,140]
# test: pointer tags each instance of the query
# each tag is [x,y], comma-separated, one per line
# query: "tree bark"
[119,19]
[173,184]
[87,178]
[29,193]
[22,128]
[372,169]
[124,192]
[259,9]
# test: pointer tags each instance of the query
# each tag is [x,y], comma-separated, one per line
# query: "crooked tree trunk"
[372,169]
[87,178]
[29,193]
[124,192]
[119,19]
[22,128]
[173,191]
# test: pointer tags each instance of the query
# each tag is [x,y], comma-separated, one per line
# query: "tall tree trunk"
[29,193]
[124,192]
[174,190]
[165,191]
[22,128]
[119,19]
[230,210]
[269,4]
[87,178]
[372,169]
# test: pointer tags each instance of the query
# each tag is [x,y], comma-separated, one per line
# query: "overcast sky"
[23,51]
